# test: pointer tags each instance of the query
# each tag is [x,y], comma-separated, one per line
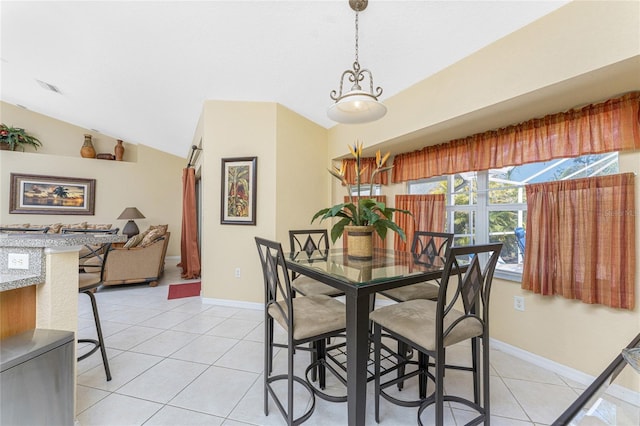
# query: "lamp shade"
[357,106]
[131,213]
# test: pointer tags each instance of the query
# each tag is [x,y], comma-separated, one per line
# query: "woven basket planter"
[359,242]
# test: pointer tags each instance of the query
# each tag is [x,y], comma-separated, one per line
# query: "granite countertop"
[57,240]
[35,245]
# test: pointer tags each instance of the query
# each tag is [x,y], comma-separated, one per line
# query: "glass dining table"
[359,280]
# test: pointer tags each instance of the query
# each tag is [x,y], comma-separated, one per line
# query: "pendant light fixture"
[357,105]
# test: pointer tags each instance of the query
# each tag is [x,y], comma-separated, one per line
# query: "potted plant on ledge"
[12,138]
[360,219]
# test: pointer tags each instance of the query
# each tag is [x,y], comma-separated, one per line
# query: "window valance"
[613,125]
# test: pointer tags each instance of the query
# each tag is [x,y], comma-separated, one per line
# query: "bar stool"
[87,283]
[310,240]
[430,326]
[306,319]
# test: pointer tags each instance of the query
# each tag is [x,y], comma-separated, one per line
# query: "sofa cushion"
[54,228]
[162,228]
[135,240]
[151,236]
[81,225]
[99,226]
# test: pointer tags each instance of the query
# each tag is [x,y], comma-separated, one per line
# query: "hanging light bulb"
[357,105]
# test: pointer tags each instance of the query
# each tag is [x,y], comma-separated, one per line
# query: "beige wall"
[290,151]
[584,52]
[147,178]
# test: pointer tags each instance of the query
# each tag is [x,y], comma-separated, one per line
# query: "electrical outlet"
[237,272]
[518,303]
[18,261]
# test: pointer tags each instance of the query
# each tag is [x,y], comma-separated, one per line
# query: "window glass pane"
[464,227]
[465,189]
[503,189]
[429,186]
[502,225]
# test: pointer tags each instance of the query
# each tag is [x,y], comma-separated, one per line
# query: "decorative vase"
[87,150]
[119,150]
[359,242]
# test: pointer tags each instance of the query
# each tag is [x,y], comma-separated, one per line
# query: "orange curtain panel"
[613,125]
[189,253]
[581,240]
[429,214]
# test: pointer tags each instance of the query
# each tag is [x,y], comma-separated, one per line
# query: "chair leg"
[290,412]
[474,365]
[423,366]
[439,400]
[377,339]
[268,355]
[486,396]
[402,352]
[321,348]
[96,318]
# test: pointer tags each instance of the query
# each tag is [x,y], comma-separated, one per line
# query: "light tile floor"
[182,362]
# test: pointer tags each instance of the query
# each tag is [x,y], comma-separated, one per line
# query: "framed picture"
[35,194]
[238,193]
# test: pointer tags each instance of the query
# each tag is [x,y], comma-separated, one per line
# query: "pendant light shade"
[357,105]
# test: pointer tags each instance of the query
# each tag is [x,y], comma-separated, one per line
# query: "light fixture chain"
[357,38]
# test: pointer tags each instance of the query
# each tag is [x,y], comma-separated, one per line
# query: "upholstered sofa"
[137,264]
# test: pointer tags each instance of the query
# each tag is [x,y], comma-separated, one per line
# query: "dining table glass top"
[385,265]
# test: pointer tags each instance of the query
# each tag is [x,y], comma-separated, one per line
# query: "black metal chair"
[91,253]
[306,319]
[88,282]
[428,246]
[310,240]
[431,326]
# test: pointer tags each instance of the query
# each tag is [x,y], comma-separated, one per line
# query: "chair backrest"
[473,266]
[430,245]
[277,286]
[10,230]
[104,248]
[308,240]
[520,238]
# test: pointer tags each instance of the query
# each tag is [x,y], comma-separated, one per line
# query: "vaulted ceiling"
[141,70]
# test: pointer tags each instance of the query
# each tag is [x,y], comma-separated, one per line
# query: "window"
[488,206]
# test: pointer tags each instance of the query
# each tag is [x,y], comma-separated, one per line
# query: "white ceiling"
[141,70]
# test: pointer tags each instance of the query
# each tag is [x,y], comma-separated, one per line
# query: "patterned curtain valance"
[613,125]
[349,165]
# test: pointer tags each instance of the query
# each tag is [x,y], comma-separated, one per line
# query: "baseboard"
[617,391]
[173,258]
[233,303]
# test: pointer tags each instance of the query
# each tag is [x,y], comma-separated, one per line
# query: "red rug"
[176,291]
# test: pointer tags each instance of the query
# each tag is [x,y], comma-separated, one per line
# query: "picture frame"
[238,193]
[53,195]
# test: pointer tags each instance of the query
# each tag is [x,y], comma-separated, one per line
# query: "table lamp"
[130,213]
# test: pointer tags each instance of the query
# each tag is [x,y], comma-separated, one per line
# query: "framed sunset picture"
[37,194]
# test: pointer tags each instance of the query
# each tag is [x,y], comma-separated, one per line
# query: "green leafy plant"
[364,211]
[16,137]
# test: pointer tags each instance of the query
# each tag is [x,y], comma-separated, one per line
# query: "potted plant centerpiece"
[15,137]
[361,216]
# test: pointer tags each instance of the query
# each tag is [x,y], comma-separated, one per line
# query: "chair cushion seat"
[87,281]
[415,291]
[313,316]
[308,287]
[416,321]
